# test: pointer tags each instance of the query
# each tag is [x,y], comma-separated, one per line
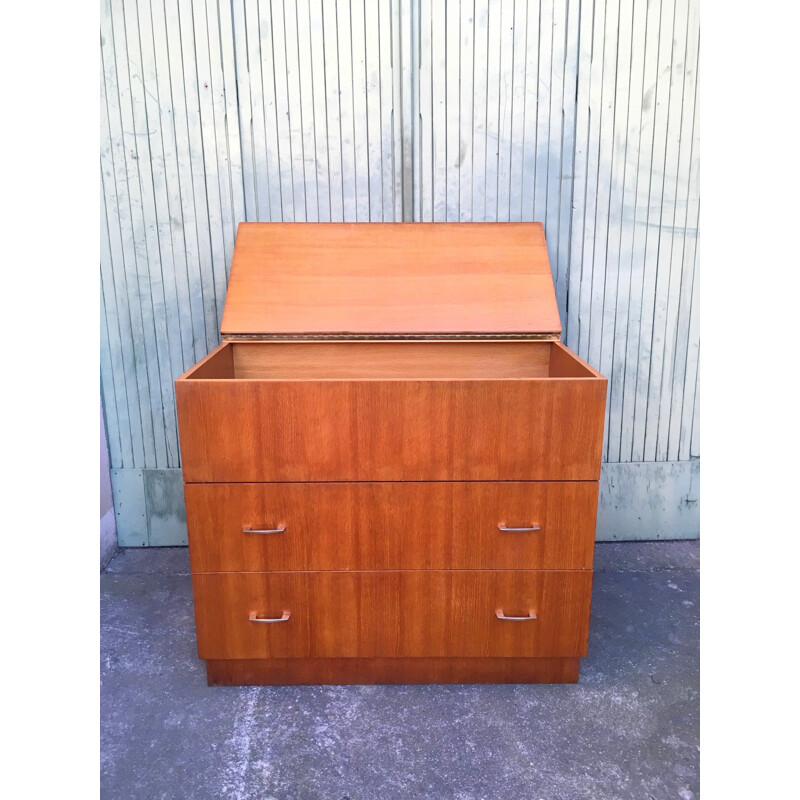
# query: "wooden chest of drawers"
[391,463]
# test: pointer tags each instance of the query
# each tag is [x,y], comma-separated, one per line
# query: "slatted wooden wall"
[580,114]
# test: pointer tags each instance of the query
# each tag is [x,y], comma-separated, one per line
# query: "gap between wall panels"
[581,115]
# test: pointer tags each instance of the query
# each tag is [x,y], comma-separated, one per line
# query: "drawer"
[392,614]
[378,526]
[390,411]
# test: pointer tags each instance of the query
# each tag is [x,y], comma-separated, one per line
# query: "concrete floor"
[629,729]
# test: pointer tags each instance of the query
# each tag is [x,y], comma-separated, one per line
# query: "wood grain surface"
[390,278]
[395,360]
[253,431]
[378,526]
[341,671]
[392,614]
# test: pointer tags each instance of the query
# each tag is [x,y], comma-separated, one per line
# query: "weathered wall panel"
[580,114]
[108,526]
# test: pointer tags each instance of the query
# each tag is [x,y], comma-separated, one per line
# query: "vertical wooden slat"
[406,38]
[123,210]
[149,282]
[606,87]
[555,139]
[466,101]
[136,137]
[269,161]
[174,250]
[388,79]
[613,305]
[646,59]
[688,407]
[544,46]
[114,386]
[644,441]
[567,163]
[422,77]
[479,110]
[681,267]
[361,128]
[371,36]
[343,47]
[688,403]
[188,274]
[505,115]
[228,108]
[438,120]
[313,75]
[211,172]
[686,362]
[633,18]
[580,182]
[515,180]
[670,248]
[248,97]
[350,164]
[694,450]
[276,67]
[298,33]
[333,101]
[494,78]
[161,262]
[592,191]
[452,29]
[108,394]
[201,151]
[529,110]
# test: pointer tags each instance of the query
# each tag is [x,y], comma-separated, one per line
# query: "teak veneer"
[391,525]
[391,463]
[304,671]
[460,426]
[404,613]
[388,279]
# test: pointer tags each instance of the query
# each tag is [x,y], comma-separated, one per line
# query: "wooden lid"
[338,280]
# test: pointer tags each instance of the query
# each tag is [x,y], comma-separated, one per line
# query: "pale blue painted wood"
[649,500]
[466,103]
[127,488]
[633,259]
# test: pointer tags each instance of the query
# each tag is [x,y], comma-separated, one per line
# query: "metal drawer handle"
[500,615]
[504,527]
[279,529]
[255,618]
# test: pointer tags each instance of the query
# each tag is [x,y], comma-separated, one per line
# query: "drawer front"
[379,526]
[392,614]
[259,430]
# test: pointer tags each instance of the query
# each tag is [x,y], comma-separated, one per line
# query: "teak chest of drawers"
[391,463]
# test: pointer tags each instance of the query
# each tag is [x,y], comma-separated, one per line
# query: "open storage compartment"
[372,411]
[397,360]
